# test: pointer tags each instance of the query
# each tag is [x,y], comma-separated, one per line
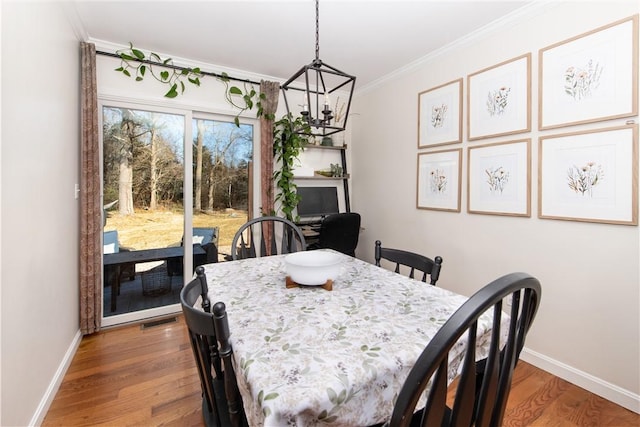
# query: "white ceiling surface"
[368,39]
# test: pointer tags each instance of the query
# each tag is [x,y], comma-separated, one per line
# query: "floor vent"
[159,322]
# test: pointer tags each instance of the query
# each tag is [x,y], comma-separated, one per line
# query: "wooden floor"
[146,377]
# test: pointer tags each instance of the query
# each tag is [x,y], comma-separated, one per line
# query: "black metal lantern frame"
[321,83]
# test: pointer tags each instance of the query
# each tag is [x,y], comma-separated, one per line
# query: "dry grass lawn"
[163,228]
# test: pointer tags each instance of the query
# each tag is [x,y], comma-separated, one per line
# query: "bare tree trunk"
[125,180]
[125,187]
[211,187]
[198,185]
[153,202]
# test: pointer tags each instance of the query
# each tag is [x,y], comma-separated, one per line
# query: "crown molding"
[535,7]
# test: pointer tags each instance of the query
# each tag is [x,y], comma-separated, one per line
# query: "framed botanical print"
[498,99]
[440,115]
[499,178]
[590,77]
[590,176]
[439,175]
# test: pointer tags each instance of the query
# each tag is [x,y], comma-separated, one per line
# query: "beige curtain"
[90,207]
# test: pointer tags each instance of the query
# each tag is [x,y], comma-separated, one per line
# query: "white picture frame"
[438,180]
[499,178]
[590,77]
[590,176]
[499,99]
[440,115]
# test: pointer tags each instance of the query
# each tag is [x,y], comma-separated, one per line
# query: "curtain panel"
[269,105]
[90,207]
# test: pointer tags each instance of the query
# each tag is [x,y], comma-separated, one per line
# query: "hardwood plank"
[129,376]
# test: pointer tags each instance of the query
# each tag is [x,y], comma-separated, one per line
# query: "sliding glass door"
[151,196]
[222,159]
[143,200]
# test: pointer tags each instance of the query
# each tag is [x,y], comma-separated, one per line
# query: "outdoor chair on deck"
[267,235]
[111,245]
[480,398]
[412,260]
[209,337]
[207,238]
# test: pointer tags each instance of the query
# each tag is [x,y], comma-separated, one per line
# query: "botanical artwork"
[498,176]
[580,83]
[499,99]
[590,77]
[439,180]
[583,179]
[590,176]
[439,115]
[497,179]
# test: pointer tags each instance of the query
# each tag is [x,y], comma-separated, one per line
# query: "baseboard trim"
[595,385]
[54,385]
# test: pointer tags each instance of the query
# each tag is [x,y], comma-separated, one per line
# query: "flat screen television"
[317,201]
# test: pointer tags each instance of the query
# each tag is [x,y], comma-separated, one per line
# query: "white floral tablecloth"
[307,356]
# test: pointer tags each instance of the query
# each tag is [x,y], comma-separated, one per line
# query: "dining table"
[337,356]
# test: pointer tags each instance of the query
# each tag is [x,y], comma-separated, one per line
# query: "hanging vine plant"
[287,146]
[135,62]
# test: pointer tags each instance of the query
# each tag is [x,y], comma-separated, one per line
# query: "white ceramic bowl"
[313,268]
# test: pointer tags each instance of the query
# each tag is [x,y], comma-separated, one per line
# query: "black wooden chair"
[340,232]
[234,401]
[221,404]
[267,235]
[472,406]
[412,260]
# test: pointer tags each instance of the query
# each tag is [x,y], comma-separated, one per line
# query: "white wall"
[587,329]
[40,158]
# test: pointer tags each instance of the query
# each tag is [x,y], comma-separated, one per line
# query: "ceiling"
[369,39]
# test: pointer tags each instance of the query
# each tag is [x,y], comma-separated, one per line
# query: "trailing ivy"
[135,62]
[287,146]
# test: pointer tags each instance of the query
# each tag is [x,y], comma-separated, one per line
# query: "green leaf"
[155,57]
[138,53]
[126,73]
[182,87]
[271,396]
[172,92]
[164,75]
[234,90]
[143,69]
[333,397]
[236,120]
[127,57]
[139,79]
[196,70]
[119,69]
[184,71]
[166,61]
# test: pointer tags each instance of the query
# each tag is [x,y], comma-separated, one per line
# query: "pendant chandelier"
[322,85]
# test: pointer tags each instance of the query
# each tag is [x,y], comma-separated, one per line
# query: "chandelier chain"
[317,30]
